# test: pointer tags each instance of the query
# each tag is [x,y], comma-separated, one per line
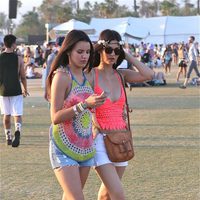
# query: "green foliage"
[36,28]
[148,9]
[5,23]
[167,7]
[2,21]
[55,11]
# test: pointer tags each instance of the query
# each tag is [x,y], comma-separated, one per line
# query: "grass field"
[166,126]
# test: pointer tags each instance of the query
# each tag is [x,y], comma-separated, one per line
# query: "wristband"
[80,107]
[75,110]
[84,105]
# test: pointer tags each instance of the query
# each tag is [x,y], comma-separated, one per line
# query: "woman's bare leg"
[111,188]
[71,179]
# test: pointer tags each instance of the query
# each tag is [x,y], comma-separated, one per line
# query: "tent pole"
[165,30]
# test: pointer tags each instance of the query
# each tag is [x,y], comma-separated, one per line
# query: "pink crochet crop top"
[110,115]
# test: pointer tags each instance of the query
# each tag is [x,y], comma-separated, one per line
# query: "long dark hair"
[107,35]
[71,39]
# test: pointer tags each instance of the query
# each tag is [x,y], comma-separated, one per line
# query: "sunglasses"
[109,50]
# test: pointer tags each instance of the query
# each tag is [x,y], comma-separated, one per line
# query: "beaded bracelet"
[75,110]
[80,106]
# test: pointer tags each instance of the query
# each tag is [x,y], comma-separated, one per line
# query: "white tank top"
[29,72]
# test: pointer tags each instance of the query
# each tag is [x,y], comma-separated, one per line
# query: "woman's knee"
[115,192]
[103,194]
[108,195]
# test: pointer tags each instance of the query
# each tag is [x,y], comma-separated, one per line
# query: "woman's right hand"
[95,100]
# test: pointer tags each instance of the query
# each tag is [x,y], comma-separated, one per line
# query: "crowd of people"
[161,58]
[84,87]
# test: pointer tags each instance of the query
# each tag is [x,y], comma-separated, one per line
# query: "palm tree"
[167,7]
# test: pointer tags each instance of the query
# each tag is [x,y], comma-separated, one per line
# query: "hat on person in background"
[60,40]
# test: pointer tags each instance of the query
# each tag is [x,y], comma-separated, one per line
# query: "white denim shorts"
[101,157]
[12,105]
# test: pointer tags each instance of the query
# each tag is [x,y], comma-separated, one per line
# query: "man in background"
[50,60]
[193,56]
[11,92]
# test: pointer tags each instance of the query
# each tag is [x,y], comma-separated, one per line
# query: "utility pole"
[135,6]
[11,27]
[12,13]
[198,7]
[77,6]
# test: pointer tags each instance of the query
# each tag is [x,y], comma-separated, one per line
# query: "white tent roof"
[124,26]
[170,29]
[160,30]
[63,29]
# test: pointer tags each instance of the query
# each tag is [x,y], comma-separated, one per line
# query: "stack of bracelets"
[80,107]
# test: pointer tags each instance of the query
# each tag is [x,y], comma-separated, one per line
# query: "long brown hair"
[107,35]
[71,39]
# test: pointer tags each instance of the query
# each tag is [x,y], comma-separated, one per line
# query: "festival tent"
[64,28]
[170,29]
[157,30]
[129,31]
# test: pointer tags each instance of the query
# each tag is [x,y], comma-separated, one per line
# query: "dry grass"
[167,145]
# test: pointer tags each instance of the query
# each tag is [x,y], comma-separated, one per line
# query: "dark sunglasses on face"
[109,50]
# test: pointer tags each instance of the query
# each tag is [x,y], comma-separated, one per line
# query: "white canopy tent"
[156,30]
[165,30]
[130,32]
[63,29]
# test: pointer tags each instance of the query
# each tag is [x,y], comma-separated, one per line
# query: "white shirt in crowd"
[192,54]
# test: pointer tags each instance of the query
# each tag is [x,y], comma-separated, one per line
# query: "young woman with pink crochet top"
[109,116]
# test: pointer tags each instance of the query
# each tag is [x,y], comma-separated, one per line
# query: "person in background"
[11,93]
[147,59]
[167,56]
[183,57]
[159,79]
[197,46]
[47,51]
[27,56]
[72,102]
[158,62]
[103,76]
[30,70]
[192,55]
[50,60]
[174,53]
[38,55]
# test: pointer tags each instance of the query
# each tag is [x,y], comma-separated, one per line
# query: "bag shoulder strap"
[126,101]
